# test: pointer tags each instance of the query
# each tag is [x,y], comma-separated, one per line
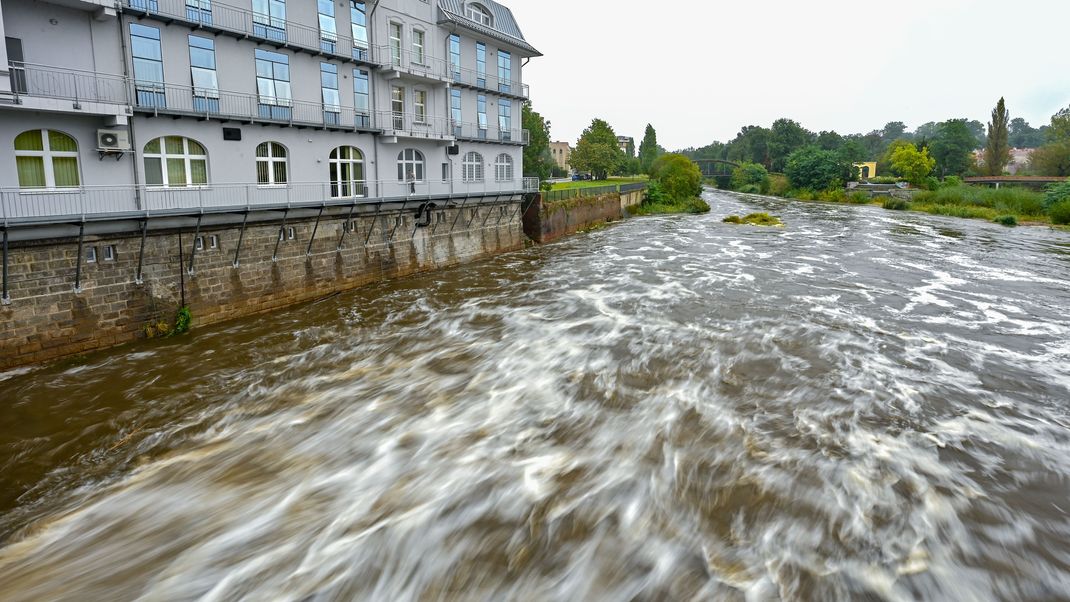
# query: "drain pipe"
[130,119]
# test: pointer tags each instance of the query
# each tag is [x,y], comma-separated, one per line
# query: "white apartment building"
[144,107]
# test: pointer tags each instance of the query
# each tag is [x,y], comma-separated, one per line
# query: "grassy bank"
[690,205]
[597,183]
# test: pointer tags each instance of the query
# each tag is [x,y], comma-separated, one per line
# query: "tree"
[648,149]
[751,144]
[538,161]
[677,176]
[926,131]
[873,142]
[629,151]
[597,151]
[750,175]
[885,162]
[997,147]
[829,141]
[852,150]
[815,169]
[894,130]
[785,137]
[952,147]
[1023,135]
[912,164]
[1052,159]
[1060,126]
[980,136]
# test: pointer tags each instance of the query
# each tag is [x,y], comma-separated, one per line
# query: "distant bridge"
[997,180]
[712,168]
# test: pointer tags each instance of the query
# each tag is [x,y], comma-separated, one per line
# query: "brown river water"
[864,405]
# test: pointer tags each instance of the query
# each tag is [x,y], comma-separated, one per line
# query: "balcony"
[244,23]
[41,87]
[28,206]
[412,125]
[474,132]
[169,99]
[406,63]
[471,78]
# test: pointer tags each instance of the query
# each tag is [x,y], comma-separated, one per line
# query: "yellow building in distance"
[867,169]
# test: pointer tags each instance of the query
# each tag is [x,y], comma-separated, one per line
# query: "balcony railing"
[413,125]
[473,131]
[42,81]
[88,202]
[405,60]
[170,99]
[490,82]
[246,23]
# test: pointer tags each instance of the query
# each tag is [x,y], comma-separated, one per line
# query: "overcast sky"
[700,70]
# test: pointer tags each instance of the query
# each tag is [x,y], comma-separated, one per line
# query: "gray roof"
[504,27]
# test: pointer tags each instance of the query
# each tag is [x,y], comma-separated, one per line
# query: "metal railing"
[247,23]
[152,97]
[30,79]
[49,205]
[489,82]
[413,125]
[473,131]
[421,64]
[590,191]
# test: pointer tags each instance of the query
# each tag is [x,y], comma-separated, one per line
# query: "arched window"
[478,13]
[410,166]
[271,164]
[175,161]
[347,172]
[472,167]
[46,159]
[503,168]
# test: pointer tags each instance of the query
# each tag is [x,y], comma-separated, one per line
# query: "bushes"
[750,176]
[1004,200]
[895,204]
[688,205]
[778,185]
[817,169]
[1056,194]
[1006,220]
[754,219]
[679,176]
[1060,212]
[859,198]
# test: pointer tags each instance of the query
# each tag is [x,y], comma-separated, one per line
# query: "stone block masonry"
[47,319]
[548,221]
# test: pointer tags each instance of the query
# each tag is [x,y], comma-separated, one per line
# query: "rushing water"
[864,405]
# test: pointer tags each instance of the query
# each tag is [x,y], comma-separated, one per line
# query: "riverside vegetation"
[675,186]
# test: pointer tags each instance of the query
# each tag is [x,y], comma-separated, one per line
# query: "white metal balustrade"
[245,23]
[77,86]
[90,202]
[473,131]
[487,81]
[413,125]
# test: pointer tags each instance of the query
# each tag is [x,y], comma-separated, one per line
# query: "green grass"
[692,205]
[754,219]
[597,183]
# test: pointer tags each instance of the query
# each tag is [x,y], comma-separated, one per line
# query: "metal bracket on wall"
[282,233]
[398,220]
[5,299]
[315,228]
[193,246]
[78,264]
[521,210]
[460,212]
[345,226]
[375,220]
[241,237]
[141,252]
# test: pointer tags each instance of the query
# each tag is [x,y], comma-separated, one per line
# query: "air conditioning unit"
[113,140]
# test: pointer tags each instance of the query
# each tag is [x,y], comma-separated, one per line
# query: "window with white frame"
[332,100]
[271,168]
[503,168]
[202,68]
[362,98]
[395,43]
[419,103]
[481,64]
[273,84]
[358,19]
[346,172]
[478,13]
[418,46]
[472,167]
[175,161]
[269,19]
[410,166]
[328,28]
[455,56]
[46,159]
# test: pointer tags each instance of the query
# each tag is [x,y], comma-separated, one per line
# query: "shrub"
[858,198]
[680,177]
[1006,220]
[754,219]
[951,182]
[883,180]
[1056,194]
[1004,200]
[801,194]
[687,205]
[895,204]
[750,175]
[1060,212]
[778,185]
[654,193]
[749,189]
[833,195]
[914,165]
[817,169]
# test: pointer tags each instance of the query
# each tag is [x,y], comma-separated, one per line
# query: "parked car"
[579,177]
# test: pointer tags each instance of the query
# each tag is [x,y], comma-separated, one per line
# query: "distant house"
[867,169]
[1019,160]
[625,143]
[562,153]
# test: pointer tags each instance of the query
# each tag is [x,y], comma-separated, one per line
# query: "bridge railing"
[592,191]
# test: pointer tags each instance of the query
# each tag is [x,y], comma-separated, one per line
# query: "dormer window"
[477,13]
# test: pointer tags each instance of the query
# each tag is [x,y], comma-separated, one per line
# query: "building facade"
[626,144]
[562,153]
[150,106]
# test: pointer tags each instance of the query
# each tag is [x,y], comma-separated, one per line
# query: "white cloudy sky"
[700,70]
